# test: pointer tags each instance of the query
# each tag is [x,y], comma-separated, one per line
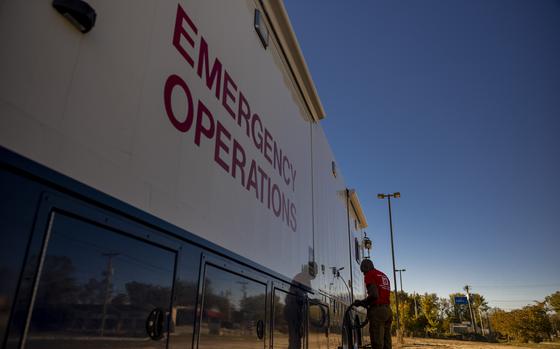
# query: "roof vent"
[260,27]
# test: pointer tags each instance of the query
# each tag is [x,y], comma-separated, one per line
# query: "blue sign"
[461,300]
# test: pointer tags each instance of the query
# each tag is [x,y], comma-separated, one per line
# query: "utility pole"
[108,286]
[489,325]
[400,276]
[415,306]
[243,288]
[244,284]
[473,320]
[481,323]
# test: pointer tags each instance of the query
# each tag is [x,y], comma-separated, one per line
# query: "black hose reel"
[353,329]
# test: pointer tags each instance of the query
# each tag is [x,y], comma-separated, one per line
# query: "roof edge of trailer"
[358,208]
[282,28]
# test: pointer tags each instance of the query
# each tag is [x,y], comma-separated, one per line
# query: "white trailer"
[166,182]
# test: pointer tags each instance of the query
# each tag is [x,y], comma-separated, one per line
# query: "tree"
[58,285]
[553,302]
[252,308]
[533,323]
[478,302]
[93,292]
[446,314]
[460,312]
[411,318]
[407,319]
[431,309]
[503,323]
[148,295]
[528,324]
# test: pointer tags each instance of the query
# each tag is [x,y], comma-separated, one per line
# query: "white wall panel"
[331,227]
[92,107]
[39,52]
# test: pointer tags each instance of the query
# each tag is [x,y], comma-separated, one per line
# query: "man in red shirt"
[378,305]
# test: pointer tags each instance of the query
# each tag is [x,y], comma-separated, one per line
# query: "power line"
[511,300]
[518,286]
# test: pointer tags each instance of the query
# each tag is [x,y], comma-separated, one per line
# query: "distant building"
[462,328]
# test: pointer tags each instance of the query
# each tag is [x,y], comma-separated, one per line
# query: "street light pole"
[396,196]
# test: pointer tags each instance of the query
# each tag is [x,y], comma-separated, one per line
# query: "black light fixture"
[78,12]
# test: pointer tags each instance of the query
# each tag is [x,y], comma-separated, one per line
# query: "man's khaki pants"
[380,318]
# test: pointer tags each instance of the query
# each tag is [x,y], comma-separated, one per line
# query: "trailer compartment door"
[233,313]
[99,288]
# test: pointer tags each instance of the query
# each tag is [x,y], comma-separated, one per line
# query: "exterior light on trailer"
[78,12]
[260,27]
[367,243]
[336,271]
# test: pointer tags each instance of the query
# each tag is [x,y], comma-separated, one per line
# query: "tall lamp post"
[388,197]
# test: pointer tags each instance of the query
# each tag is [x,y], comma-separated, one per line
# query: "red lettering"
[252,179]
[180,31]
[268,180]
[257,138]
[293,221]
[227,94]
[276,190]
[284,162]
[263,176]
[285,209]
[172,81]
[238,162]
[216,74]
[293,170]
[267,145]
[200,129]
[277,158]
[221,130]
[231,157]
[243,112]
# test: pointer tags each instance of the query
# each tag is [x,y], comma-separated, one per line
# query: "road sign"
[461,300]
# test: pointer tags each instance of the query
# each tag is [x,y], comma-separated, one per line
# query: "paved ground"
[422,343]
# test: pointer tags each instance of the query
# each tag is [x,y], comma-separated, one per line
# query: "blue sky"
[456,104]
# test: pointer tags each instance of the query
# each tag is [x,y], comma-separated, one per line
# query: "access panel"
[319,322]
[289,319]
[233,311]
[99,288]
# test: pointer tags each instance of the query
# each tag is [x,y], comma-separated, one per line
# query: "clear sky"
[456,104]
